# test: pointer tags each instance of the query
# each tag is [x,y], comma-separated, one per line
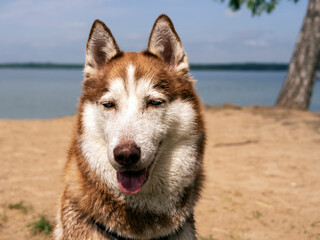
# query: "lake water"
[41,94]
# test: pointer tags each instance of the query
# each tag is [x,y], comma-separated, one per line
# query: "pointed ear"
[101,47]
[165,43]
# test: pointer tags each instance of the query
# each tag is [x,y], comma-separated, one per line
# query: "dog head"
[137,109]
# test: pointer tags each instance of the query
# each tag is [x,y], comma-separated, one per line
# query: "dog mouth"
[131,181]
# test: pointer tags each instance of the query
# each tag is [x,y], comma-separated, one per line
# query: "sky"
[57,30]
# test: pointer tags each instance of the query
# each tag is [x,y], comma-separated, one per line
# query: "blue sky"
[57,31]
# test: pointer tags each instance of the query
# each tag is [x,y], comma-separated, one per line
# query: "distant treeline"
[241,67]
[42,65]
[213,67]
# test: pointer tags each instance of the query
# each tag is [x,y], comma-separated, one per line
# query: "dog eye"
[108,104]
[155,102]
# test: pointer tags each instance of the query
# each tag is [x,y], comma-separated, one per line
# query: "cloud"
[38,12]
[57,30]
[231,14]
[242,46]
[256,43]
[32,29]
[134,36]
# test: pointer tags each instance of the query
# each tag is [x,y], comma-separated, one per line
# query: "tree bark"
[297,89]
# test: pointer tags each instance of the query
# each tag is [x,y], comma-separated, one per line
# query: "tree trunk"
[297,89]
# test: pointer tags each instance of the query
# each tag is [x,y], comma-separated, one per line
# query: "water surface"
[30,93]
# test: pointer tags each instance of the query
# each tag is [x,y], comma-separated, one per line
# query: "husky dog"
[134,169]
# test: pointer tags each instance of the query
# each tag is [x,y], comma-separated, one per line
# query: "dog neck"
[114,235]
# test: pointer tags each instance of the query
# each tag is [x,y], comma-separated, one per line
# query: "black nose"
[127,153]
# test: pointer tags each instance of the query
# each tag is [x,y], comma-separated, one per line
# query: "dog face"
[131,114]
[137,108]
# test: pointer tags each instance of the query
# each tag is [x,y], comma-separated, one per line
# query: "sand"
[262,166]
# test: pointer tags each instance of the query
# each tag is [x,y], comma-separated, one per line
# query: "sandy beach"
[262,167]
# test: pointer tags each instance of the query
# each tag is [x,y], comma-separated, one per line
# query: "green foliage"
[19,206]
[3,218]
[256,214]
[257,7]
[315,224]
[43,225]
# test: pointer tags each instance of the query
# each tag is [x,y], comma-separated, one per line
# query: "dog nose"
[127,153]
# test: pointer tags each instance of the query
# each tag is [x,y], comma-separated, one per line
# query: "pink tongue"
[131,182]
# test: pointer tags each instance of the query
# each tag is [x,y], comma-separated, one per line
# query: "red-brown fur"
[86,199]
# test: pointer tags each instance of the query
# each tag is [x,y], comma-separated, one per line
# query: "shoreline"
[205,107]
[246,66]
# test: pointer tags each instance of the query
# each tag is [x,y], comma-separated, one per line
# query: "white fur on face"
[172,124]
[175,163]
[132,120]
[95,146]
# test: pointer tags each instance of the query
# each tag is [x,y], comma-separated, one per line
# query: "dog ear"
[165,43]
[101,47]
